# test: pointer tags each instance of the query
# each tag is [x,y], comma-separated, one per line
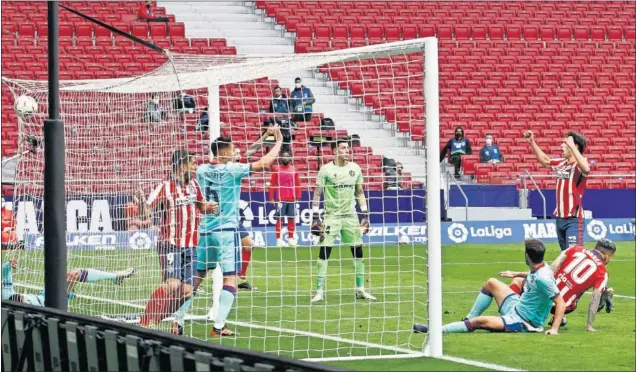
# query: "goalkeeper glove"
[364,222]
[316,225]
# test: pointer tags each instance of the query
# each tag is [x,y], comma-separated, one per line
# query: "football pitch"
[277,317]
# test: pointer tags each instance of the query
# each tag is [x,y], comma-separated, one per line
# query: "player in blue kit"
[72,277]
[219,235]
[525,313]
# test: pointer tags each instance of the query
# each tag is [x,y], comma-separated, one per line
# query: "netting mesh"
[120,134]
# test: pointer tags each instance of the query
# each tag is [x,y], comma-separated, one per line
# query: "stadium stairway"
[255,34]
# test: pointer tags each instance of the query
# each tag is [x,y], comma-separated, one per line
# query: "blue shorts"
[243,231]
[177,263]
[509,303]
[285,209]
[567,232]
[219,247]
[514,323]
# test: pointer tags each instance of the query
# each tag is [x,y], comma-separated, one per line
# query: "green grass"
[397,276]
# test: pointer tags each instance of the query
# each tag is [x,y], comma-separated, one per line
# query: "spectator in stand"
[280,102]
[184,103]
[154,112]
[399,168]
[204,121]
[146,14]
[134,218]
[490,153]
[456,146]
[284,190]
[302,100]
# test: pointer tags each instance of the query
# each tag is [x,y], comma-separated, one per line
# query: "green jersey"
[339,186]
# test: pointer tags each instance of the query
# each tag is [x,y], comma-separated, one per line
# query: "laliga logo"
[596,229]
[248,215]
[457,232]
[140,240]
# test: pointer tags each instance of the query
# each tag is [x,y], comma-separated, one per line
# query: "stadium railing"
[45,339]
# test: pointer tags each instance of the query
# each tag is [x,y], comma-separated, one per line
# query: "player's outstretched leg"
[246,256]
[92,275]
[321,268]
[358,265]
[492,289]
[490,323]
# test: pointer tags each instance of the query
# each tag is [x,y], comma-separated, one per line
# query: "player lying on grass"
[525,313]
[72,277]
[341,181]
[218,243]
[576,270]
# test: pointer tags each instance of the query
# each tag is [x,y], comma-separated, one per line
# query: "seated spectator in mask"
[490,153]
[146,14]
[154,112]
[302,100]
[184,103]
[203,123]
[280,102]
[456,146]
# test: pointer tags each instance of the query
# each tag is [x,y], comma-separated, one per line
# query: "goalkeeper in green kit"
[341,182]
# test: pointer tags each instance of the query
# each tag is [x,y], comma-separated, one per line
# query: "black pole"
[54,165]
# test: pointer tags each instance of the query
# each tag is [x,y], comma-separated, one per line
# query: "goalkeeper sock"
[484,299]
[458,327]
[225,305]
[246,256]
[92,276]
[322,272]
[358,265]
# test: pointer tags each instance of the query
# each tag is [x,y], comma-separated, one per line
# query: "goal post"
[116,145]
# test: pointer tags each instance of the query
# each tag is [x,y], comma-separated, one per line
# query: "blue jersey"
[222,183]
[538,292]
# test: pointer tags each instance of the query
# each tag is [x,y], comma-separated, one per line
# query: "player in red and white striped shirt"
[571,170]
[576,270]
[179,200]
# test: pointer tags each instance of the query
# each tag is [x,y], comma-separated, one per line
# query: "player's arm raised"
[271,156]
[597,293]
[258,144]
[541,156]
[581,161]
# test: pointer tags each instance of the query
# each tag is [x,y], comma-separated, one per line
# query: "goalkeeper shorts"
[347,227]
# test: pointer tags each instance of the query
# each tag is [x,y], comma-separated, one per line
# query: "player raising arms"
[571,171]
[221,183]
[181,201]
[576,270]
[341,181]
[525,313]
[72,278]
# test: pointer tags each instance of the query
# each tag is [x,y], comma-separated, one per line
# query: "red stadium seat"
[176,30]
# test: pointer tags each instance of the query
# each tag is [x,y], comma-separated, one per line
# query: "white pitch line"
[507,262]
[479,364]
[367,357]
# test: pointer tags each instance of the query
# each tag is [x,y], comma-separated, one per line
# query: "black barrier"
[45,339]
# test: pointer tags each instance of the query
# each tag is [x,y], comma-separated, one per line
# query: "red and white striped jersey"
[180,213]
[581,270]
[569,188]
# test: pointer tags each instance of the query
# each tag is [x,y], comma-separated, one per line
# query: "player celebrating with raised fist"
[219,239]
[341,181]
[576,270]
[571,171]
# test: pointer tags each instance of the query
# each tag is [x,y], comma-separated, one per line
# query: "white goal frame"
[182,73]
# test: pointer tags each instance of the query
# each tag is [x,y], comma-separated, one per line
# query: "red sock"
[156,307]
[246,256]
[278,227]
[291,226]
[515,289]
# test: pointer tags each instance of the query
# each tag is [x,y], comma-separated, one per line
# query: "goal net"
[120,134]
